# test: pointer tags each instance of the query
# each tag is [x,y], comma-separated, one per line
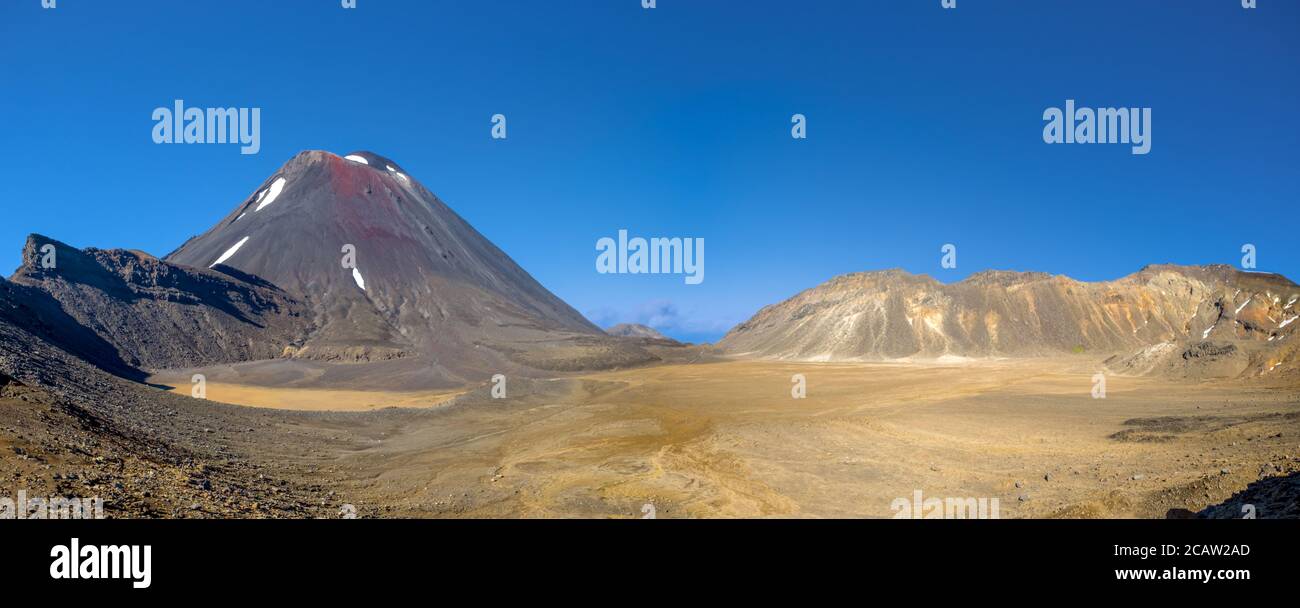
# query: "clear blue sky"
[924,128]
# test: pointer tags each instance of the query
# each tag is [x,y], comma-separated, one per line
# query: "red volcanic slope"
[426,283]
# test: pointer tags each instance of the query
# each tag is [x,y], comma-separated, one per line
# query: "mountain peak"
[383,261]
[376,161]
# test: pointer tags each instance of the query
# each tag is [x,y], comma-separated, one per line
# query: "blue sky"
[924,128]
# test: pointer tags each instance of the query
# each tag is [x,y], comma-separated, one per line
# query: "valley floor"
[727,439]
[306,399]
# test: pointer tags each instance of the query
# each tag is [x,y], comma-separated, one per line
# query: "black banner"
[320,558]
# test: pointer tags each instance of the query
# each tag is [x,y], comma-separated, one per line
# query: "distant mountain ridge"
[636,330]
[894,314]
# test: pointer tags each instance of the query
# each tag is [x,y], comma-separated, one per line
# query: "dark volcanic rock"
[40,314]
[121,308]
[1276,497]
[1209,350]
[70,429]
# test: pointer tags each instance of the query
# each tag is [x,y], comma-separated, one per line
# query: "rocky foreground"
[70,430]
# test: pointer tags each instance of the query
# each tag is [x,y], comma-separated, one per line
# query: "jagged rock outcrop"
[125,309]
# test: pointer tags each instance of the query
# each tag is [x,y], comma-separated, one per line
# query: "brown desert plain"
[728,439]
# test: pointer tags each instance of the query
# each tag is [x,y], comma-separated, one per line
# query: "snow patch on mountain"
[229,252]
[397,173]
[272,194]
